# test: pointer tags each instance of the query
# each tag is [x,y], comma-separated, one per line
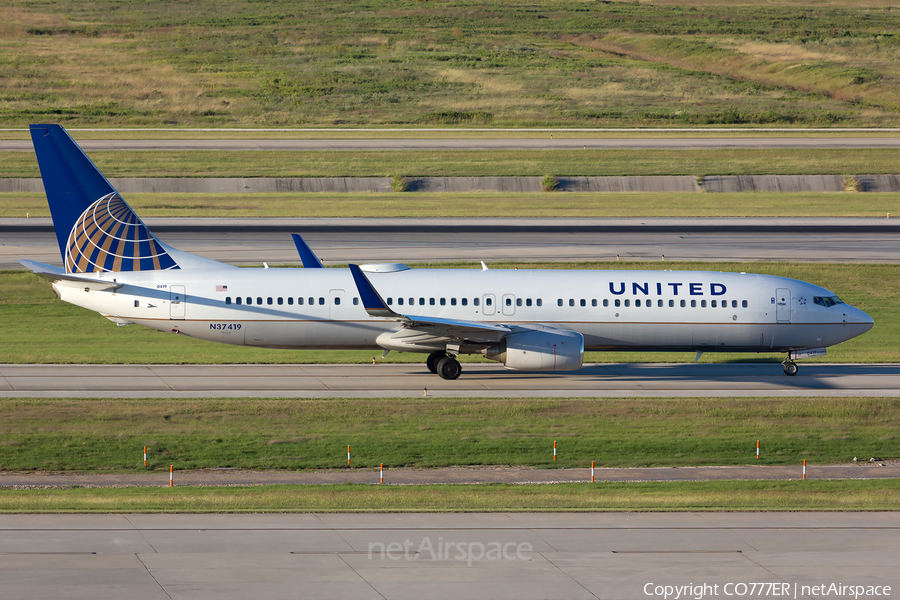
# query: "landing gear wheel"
[448,368]
[433,359]
[790,367]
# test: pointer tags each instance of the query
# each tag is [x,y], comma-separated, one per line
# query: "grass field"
[443,63]
[873,495]
[298,434]
[38,328]
[463,163]
[486,204]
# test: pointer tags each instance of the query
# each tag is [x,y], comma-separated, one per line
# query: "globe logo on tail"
[108,236]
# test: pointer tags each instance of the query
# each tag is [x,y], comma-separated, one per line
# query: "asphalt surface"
[620,556]
[478,380]
[254,241]
[159,477]
[473,144]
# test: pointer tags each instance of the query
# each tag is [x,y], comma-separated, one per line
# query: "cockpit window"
[827,301]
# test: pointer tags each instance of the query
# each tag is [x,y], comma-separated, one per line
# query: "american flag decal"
[221,288]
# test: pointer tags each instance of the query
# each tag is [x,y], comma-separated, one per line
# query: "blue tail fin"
[95,228]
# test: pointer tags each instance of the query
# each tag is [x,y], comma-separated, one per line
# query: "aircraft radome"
[534,320]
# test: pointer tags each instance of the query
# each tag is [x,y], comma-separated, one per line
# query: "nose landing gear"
[790,367]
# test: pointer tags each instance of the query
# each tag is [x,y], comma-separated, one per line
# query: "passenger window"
[290,301]
[744,303]
[464,301]
[712,303]
[280,301]
[355,301]
[412,301]
[321,301]
[528,302]
[734,304]
[390,301]
[452,301]
[488,302]
[659,303]
[518,302]
[299,301]
[509,301]
[637,302]
[337,301]
[474,301]
[594,302]
[627,303]
[249,300]
[443,302]
[400,301]
[682,304]
[269,301]
[671,304]
[312,300]
[703,304]
[571,302]
[431,301]
[258,300]
[693,304]
[237,300]
[583,303]
[137,303]
[606,302]
[227,302]
[421,301]
[540,302]
[559,302]
[618,303]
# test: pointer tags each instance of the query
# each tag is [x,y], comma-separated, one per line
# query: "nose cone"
[861,320]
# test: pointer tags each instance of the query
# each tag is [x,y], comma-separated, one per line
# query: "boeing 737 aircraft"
[535,320]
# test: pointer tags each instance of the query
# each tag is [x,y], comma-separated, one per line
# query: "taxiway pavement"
[522,556]
[254,241]
[477,380]
[879,469]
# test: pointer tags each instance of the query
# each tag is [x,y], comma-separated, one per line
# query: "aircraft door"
[177,301]
[783,305]
[508,305]
[336,300]
[489,304]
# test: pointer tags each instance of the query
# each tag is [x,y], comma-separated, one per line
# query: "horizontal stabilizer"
[57,274]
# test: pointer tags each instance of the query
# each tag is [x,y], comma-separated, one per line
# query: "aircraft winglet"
[307,256]
[372,300]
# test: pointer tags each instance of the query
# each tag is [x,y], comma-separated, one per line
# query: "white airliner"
[534,320]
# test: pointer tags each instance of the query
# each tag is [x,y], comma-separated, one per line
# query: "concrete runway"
[544,143]
[406,556]
[478,380]
[254,241]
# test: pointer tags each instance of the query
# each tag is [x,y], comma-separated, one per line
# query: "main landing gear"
[790,367]
[444,365]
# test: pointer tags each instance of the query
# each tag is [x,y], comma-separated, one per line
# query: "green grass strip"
[871,495]
[308,434]
[466,163]
[486,204]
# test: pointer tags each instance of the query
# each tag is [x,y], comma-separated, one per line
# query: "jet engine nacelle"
[540,351]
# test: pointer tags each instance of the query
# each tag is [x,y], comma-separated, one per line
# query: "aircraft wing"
[428,329]
[59,274]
